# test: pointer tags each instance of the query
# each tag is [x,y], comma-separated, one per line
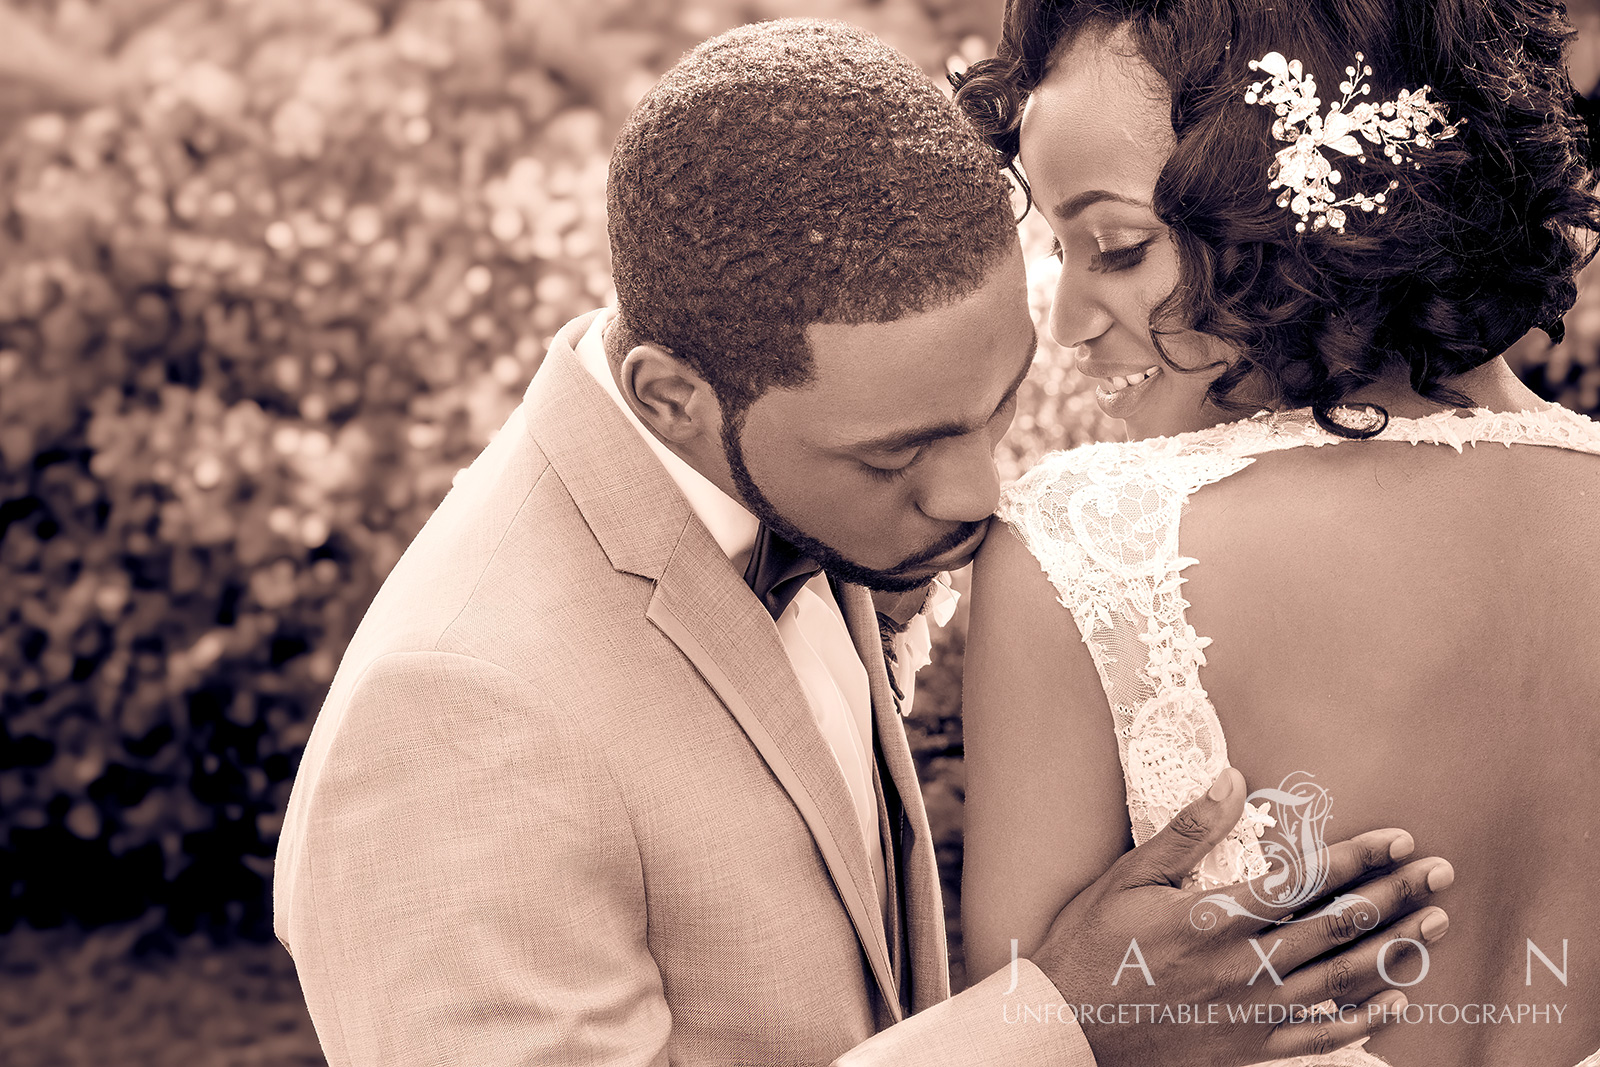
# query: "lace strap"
[1103,521]
[1105,513]
[1552,427]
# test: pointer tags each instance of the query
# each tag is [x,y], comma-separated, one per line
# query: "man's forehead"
[888,411]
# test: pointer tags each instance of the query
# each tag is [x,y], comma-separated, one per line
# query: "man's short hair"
[789,173]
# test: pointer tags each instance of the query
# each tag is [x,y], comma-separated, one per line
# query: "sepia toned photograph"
[876,533]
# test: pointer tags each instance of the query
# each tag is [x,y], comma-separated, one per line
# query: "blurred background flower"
[271,273]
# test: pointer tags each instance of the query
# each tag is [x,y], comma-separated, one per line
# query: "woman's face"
[1095,135]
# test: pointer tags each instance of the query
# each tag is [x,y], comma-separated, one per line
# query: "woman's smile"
[1122,394]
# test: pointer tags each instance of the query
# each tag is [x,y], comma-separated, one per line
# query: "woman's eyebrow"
[1074,206]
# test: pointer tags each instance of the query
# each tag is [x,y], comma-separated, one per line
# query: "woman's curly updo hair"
[1479,245]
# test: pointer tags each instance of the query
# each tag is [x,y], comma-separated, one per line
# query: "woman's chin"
[1146,409]
[1138,429]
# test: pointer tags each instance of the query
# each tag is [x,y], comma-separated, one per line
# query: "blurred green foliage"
[256,311]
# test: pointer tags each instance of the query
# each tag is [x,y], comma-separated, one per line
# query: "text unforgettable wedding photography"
[861,532]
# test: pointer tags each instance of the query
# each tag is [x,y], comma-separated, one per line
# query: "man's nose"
[965,485]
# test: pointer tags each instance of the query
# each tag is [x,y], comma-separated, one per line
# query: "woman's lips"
[1122,395]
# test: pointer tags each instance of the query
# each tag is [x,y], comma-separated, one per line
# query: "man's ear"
[669,396]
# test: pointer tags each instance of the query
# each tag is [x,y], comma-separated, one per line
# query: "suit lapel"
[624,494]
[919,867]
[703,606]
[732,643]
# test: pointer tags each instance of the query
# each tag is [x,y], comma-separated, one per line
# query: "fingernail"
[1392,1003]
[1442,876]
[1402,846]
[1434,926]
[1223,787]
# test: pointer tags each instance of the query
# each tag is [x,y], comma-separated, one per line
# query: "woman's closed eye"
[1109,260]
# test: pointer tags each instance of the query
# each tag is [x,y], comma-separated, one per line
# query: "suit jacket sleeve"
[468,889]
[988,1023]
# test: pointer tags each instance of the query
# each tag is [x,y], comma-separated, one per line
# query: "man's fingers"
[1396,954]
[1340,867]
[1171,854]
[1323,1034]
[1357,914]
[1361,857]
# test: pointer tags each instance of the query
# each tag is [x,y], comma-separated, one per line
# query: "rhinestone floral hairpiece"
[1303,171]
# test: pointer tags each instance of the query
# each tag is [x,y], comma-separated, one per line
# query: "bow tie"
[777,570]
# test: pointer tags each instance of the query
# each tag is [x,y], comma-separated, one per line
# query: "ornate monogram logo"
[1298,862]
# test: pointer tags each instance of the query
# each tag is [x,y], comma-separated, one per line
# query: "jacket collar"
[621,489]
[728,521]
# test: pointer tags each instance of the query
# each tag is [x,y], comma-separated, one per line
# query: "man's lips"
[954,556]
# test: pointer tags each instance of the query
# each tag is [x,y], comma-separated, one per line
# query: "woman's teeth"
[1120,382]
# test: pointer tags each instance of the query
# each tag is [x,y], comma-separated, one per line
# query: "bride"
[1383,594]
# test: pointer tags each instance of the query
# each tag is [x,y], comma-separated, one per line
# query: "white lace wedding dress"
[1103,522]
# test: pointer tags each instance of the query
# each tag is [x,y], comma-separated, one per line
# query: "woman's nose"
[1076,316]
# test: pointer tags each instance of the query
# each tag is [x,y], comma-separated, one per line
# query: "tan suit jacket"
[566,804]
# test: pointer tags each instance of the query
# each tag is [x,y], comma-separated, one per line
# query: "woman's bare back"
[1413,625]
[1420,630]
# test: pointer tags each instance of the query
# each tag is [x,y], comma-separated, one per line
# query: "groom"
[612,772]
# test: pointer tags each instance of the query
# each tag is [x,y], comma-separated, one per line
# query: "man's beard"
[889,581]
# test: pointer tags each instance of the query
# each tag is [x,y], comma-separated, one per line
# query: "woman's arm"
[1046,812]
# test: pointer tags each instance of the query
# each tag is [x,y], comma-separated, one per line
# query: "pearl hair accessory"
[1303,171]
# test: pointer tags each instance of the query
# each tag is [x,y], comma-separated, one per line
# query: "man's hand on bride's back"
[1201,954]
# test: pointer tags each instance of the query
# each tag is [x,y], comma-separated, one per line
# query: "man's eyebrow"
[904,439]
[1074,206]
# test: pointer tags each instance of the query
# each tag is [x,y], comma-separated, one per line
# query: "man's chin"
[909,574]
[907,577]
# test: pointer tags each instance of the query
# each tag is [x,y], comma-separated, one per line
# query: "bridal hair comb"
[1302,170]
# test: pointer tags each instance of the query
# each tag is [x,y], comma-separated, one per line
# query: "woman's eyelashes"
[1108,260]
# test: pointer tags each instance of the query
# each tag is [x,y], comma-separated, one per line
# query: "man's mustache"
[945,544]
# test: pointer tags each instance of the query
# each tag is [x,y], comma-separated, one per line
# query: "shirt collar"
[730,525]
